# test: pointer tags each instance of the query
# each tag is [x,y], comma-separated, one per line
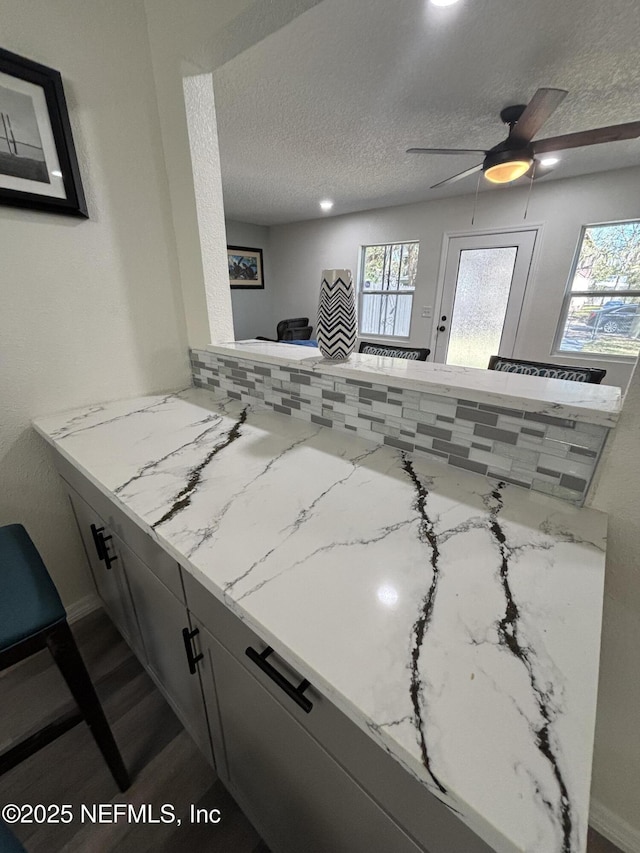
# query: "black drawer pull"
[192,659]
[291,690]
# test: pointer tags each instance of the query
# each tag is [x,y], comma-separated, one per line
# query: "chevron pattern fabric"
[337,327]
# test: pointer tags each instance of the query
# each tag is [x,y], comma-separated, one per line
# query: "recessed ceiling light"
[549,161]
[326,205]
[56,173]
[443,2]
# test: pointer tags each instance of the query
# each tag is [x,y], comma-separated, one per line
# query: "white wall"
[187,38]
[177,32]
[301,250]
[616,772]
[214,307]
[90,310]
[253,309]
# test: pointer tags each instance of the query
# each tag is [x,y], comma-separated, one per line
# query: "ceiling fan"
[516,155]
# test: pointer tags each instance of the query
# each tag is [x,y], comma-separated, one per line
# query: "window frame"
[361,290]
[569,293]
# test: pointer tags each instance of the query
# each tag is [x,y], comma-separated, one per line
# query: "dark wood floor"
[165,764]
[162,759]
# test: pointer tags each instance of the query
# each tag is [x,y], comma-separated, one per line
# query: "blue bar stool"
[32,618]
[8,842]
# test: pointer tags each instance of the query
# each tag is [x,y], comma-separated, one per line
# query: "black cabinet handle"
[441,328]
[96,532]
[192,659]
[100,541]
[108,558]
[291,690]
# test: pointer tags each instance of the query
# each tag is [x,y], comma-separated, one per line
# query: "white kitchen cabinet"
[118,522]
[149,616]
[292,790]
[108,574]
[166,633]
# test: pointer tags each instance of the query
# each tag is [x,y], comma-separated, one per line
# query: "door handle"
[192,659]
[293,692]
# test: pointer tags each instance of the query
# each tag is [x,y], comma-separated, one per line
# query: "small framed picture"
[38,163]
[245,268]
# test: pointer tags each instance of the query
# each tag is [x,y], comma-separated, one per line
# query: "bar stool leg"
[69,661]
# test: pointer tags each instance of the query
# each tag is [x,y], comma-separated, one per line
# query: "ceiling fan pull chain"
[475,200]
[533,174]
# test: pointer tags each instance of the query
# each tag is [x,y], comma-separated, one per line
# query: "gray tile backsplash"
[550,455]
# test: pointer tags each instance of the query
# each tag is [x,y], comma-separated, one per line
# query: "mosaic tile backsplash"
[535,451]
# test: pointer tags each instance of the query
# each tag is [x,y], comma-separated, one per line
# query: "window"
[387,285]
[601,312]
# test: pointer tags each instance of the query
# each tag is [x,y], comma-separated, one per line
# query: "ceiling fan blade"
[458,177]
[613,133]
[445,151]
[539,109]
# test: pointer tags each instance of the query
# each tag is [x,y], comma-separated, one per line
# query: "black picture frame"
[241,261]
[44,112]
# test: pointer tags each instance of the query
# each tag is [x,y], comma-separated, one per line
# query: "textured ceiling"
[326,106]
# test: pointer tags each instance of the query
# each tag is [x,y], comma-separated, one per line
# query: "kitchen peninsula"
[596,404]
[447,622]
[542,434]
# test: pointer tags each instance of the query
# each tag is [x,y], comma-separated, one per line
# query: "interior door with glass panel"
[484,283]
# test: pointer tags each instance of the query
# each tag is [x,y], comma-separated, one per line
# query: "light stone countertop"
[455,620]
[577,401]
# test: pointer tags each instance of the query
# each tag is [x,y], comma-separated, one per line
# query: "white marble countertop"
[578,401]
[455,620]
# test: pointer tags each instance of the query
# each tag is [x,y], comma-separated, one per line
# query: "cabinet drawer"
[141,543]
[296,795]
[422,816]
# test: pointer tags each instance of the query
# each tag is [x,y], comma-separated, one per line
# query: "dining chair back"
[393,351]
[572,373]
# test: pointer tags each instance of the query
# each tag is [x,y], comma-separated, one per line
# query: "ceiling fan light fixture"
[502,167]
[504,173]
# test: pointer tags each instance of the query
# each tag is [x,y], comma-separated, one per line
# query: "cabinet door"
[111,581]
[202,644]
[294,793]
[163,619]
